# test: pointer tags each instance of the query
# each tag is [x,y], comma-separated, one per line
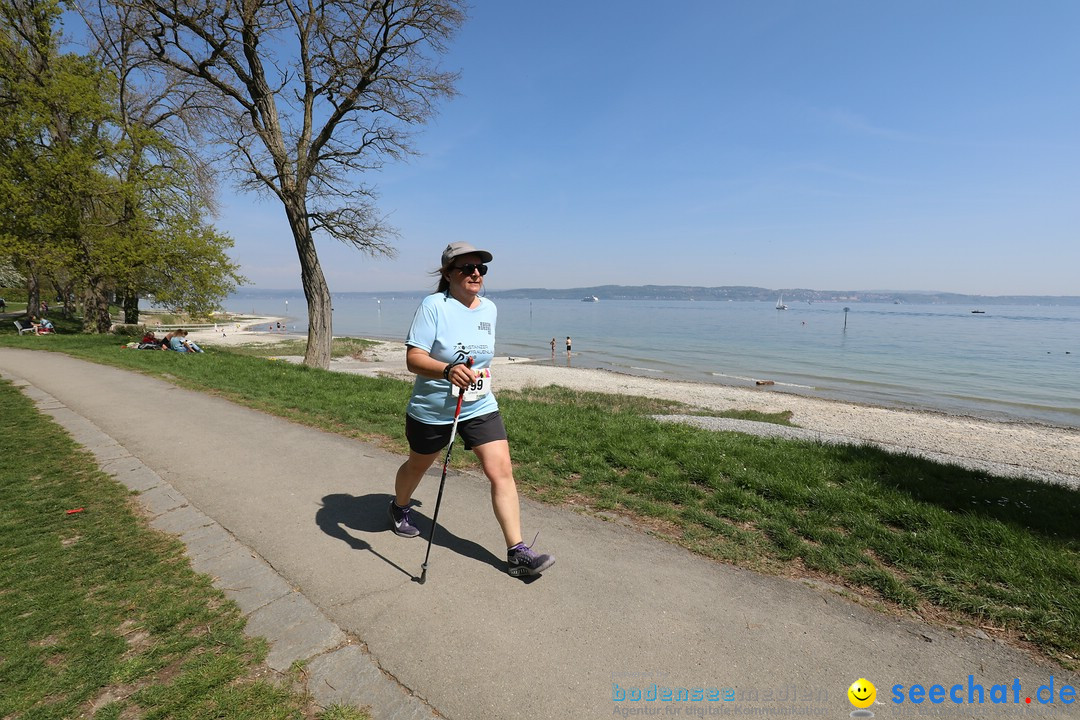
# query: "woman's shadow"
[368,514]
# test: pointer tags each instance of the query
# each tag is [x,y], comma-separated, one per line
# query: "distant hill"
[729,292]
[791,295]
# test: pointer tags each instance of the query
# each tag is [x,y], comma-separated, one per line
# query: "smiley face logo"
[862,693]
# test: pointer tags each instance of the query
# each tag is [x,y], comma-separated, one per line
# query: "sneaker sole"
[521,570]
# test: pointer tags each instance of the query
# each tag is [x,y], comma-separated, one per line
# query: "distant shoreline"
[717,294]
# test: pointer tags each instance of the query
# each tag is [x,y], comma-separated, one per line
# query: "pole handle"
[460,397]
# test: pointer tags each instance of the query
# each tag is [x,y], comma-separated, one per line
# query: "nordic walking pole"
[445,465]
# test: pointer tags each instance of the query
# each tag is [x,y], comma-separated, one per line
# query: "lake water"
[1011,362]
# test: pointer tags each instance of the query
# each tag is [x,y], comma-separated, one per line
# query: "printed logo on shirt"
[463,351]
[484,327]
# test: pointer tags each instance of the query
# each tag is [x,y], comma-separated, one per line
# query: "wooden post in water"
[845,318]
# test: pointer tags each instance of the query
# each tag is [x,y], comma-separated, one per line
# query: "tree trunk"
[66,293]
[96,317]
[131,307]
[33,293]
[317,292]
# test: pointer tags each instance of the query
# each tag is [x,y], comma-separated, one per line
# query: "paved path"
[290,521]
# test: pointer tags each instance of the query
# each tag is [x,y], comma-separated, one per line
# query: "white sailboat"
[780,303]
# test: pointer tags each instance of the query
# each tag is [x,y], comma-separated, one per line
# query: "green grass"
[948,543]
[341,347]
[99,613]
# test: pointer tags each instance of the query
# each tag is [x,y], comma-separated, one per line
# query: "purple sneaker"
[399,517]
[521,561]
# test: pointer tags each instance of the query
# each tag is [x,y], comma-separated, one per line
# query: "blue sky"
[816,144]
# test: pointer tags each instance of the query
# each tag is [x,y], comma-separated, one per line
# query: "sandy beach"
[1029,450]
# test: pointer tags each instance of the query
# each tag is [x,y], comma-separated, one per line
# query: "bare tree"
[159,117]
[307,97]
[167,187]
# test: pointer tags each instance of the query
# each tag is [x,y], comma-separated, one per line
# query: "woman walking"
[452,325]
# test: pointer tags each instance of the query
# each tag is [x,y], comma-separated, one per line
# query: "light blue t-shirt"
[451,332]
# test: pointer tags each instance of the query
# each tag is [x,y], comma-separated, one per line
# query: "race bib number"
[480,387]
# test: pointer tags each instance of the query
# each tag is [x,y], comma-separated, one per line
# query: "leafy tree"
[55,108]
[308,97]
[193,280]
[93,193]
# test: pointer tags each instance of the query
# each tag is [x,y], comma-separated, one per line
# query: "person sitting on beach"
[189,344]
[149,341]
[180,343]
[176,341]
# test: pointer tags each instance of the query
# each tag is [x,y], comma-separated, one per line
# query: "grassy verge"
[102,617]
[949,544]
[342,347]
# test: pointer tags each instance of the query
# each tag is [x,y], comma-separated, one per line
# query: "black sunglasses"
[470,268]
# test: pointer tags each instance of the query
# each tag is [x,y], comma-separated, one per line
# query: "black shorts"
[425,439]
